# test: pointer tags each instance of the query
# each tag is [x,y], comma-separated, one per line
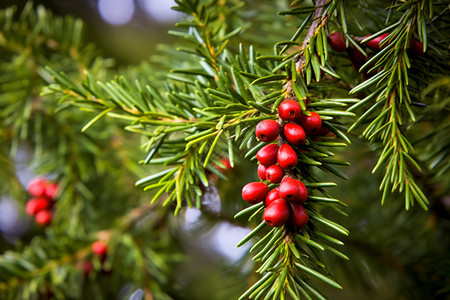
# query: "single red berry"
[87,268]
[254,192]
[289,190]
[289,110]
[267,155]
[99,248]
[51,190]
[303,192]
[286,157]
[36,187]
[35,205]
[274,174]
[312,123]
[298,216]
[272,196]
[267,130]
[277,213]
[43,217]
[374,44]
[415,47]
[356,57]
[337,42]
[294,133]
[262,171]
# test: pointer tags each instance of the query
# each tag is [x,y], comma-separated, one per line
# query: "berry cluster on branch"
[41,205]
[285,201]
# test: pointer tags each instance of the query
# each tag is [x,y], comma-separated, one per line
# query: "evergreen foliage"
[235,62]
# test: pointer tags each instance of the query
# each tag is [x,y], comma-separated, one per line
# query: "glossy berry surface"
[374,44]
[36,187]
[51,190]
[35,205]
[286,157]
[274,174]
[337,42]
[289,190]
[303,192]
[267,155]
[415,48]
[277,213]
[272,196]
[298,216]
[43,217]
[262,171]
[254,192]
[312,123]
[289,110]
[267,130]
[294,133]
[99,248]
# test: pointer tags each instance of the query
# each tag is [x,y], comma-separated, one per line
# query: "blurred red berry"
[36,187]
[43,217]
[99,248]
[35,205]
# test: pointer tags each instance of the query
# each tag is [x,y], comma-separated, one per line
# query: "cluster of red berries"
[40,206]
[283,203]
[337,43]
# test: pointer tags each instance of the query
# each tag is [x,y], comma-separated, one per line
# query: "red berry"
[312,123]
[267,130]
[337,41]
[290,190]
[374,44]
[51,190]
[254,192]
[99,248]
[87,268]
[43,217]
[303,192]
[277,213]
[298,216]
[267,155]
[35,205]
[357,58]
[36,187]
[272,196]
[415,47]
[286,157]
[274,174]
[289,110]
[294,133]
[262,171]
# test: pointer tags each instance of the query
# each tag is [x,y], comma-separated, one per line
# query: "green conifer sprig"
[211,106]
[393,103]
